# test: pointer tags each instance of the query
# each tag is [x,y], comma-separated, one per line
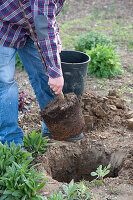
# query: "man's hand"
[56,84]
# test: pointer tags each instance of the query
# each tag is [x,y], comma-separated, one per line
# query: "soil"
[63,117]
[108,131]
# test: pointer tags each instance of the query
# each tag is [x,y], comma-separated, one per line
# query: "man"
[15,38]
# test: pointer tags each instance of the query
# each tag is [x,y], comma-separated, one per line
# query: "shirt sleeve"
[59,4]
[57,34]
[44,16]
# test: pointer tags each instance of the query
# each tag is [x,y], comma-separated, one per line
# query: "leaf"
[41,186]
[29,184]
[94,174]
[65,188]
[24,197]
[71,183]
[3,197]
[18,193]
[107,172]
[7,192]
[108,166]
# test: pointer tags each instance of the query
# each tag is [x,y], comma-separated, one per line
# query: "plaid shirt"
[14,31]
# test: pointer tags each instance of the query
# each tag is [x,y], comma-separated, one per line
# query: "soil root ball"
[64,117]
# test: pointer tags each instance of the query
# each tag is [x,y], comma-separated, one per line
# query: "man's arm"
[44,19]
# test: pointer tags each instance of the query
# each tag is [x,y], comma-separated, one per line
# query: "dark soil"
[108,136]
[64,117]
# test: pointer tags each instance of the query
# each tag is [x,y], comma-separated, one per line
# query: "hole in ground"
[77,162]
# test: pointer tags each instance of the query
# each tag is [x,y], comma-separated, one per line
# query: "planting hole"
[67,164]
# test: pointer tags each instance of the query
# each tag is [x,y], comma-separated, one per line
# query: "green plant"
[90,40]
[76,191]
[25,101]
[36,143]
[18,63]
[56,196]
[70,191]
[105,62]
[83,192]
[130,45]
[101,173]
[12,154]
[20,182]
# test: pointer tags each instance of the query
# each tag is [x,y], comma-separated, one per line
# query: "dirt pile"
[102,112]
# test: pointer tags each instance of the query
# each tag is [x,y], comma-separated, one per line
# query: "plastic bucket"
[74,66]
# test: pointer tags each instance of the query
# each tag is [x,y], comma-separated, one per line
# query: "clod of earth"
[64,117]
[130,123]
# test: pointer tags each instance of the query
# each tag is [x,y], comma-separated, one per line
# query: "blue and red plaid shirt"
[42,16]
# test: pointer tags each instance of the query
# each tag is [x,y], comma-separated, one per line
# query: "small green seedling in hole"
[36,143]
[101,173]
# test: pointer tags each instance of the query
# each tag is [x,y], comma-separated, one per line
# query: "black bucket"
[74,66]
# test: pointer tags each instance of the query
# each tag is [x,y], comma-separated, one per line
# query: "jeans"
[9,129]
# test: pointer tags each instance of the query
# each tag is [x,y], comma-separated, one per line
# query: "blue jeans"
[9,129]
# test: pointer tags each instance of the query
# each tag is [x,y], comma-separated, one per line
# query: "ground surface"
[107,136]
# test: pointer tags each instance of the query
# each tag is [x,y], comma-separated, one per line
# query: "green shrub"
[91,40]
[21,183]
[18,63]
[36,143]
[105,62]
[12,154]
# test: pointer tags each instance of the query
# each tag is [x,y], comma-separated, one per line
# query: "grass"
[118,29]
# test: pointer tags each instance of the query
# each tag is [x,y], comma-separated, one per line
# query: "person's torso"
[10,12]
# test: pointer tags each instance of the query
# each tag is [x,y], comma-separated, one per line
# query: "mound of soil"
[101,112]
